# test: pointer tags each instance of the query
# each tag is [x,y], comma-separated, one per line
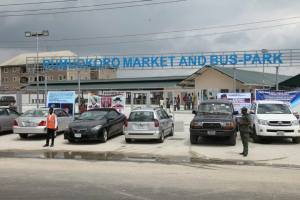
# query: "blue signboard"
[291,97]
[62,99]
[164,61]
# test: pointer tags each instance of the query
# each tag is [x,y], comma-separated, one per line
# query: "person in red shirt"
[51,127]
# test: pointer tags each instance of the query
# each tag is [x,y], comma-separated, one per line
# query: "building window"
[15,79]
[60,77]
[15,69]
[243,90]
[5,79]
[5,70]
[71,78]
[237,90]
[64,77]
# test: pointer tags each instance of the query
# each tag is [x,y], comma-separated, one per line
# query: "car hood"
[213,118]
[86,123]
[277,117]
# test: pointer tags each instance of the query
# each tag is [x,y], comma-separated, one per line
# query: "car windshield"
[273,109]
[91,115]
[35,113]
[141,116]
[2,112]
[215,108]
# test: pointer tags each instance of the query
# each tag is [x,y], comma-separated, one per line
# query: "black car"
[96,125]
[214,118]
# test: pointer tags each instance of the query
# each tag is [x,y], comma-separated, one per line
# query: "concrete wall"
[215,81]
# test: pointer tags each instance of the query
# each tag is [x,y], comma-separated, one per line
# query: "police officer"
[244,126]
[51,127]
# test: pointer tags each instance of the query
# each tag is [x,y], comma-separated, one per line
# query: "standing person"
[178,102]
[168,105]
[193,101]
[175,103]
[161,102]
[189,101]
[185,101]
[51,127]
[244,126]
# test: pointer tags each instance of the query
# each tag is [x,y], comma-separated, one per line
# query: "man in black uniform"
[244,126]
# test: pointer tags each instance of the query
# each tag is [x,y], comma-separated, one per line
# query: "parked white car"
[34,122]
[274,119]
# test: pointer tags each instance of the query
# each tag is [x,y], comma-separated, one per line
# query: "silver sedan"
[34,122]
[7,117]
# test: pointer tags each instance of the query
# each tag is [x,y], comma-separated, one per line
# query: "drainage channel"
[131,157]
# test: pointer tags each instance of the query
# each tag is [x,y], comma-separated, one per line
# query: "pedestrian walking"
[161,102]
[185,101]
[168,105]
[244,126]
[190,99]
[51,127]
[193,101]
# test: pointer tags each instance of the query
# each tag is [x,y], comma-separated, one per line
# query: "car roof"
[147,108]
[102,109]
[217,101]
[270,102]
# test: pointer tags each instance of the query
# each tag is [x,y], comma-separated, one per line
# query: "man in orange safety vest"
[51,127]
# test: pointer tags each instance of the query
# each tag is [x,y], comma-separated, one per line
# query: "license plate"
[211,132]
[280,133]
[77,135]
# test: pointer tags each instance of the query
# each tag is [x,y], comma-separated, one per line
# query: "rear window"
[142,116]
[35,113]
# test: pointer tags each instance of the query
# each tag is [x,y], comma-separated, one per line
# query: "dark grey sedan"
[96,125]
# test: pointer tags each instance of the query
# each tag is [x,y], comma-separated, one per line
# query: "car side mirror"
[194,112]
[296,115]
[235,112]
[170,116]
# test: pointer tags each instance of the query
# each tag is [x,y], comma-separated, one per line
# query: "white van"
[274,119]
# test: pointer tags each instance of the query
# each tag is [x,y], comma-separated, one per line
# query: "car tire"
[104,135]
[23,136]
[296,140]
[161,138]
[172,131]
[71,141]
[127,140]
[255,137]
[193,139]
[232,140]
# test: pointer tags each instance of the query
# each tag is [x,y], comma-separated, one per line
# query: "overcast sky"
[189,14]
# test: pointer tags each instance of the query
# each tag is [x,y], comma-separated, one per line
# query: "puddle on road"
[130,157]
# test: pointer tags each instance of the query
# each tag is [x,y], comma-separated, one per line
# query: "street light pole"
[37,35]
[263,52]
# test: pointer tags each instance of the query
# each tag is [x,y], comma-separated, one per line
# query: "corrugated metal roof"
[114,84]
[21,58]
[293,82]
[138,73]
[244,76]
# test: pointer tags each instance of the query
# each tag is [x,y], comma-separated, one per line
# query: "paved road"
[77,180]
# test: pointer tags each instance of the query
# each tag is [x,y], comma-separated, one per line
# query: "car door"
[12,115]
[4,120]
[60,124]
[162,121]
[168,121]
[65,120]
[112,118]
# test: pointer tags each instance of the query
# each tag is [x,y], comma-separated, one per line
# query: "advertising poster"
[290,97]
[62,99]
[107,101]
[239,100]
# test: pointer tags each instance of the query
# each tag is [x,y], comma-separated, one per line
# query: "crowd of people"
[189,102]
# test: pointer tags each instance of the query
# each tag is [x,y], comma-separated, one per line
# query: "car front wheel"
[296,140]
[104,135]
[23,136]
[193,139]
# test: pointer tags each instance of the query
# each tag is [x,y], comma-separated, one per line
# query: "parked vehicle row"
[213,119]
[269,119]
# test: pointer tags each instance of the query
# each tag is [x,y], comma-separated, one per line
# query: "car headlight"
[295,122]
[195,124]
[97,127]
[262,122]
[228,124]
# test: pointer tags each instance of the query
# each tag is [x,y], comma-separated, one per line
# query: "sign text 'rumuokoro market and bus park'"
[274,58]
